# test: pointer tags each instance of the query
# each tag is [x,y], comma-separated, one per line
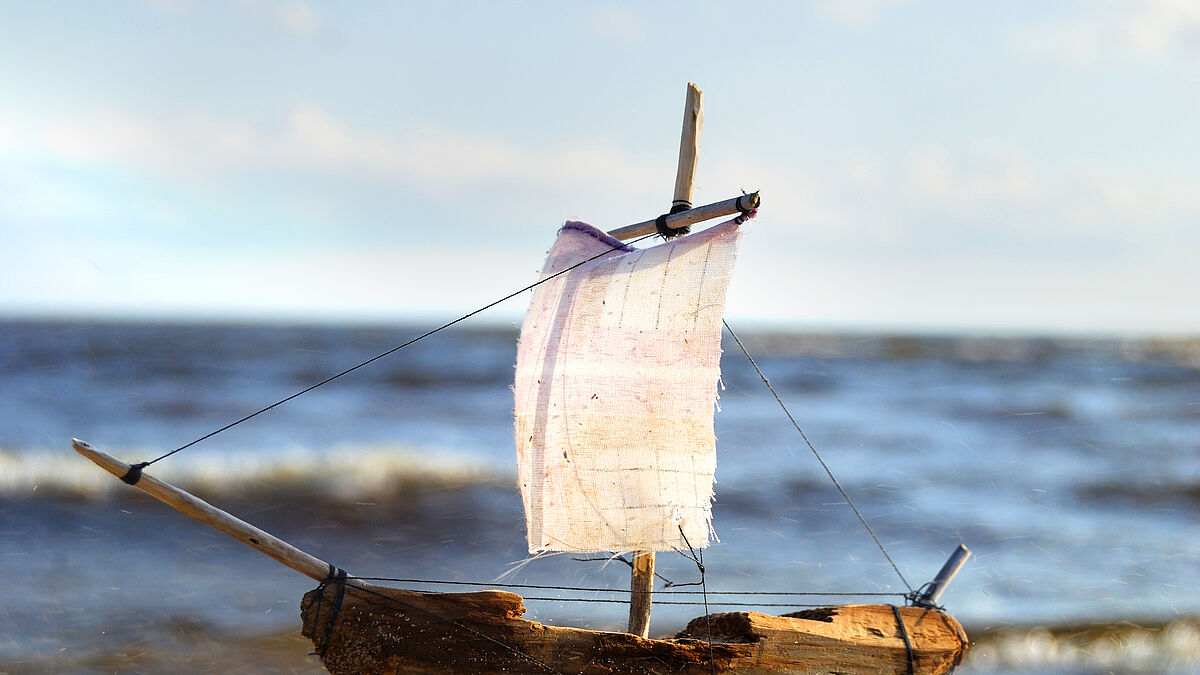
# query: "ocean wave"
[1179,351]
[345,473]
[1172,492]
[1158,646]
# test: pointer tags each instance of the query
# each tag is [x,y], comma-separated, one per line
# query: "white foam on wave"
[1173,647]
[342,472]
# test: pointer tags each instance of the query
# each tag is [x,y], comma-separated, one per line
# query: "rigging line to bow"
[375,358]
[828,471]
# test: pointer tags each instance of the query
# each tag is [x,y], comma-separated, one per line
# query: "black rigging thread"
[683,603]
[667,582]
[336,576]
[134,477]
[816,454]
[908,647]
[626,591]
[699,560]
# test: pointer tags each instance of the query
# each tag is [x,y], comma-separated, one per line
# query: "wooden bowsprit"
[190,505]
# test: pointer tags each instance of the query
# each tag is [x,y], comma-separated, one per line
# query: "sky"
[1015,167]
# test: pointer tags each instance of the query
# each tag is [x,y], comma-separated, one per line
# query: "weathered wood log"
[385,630]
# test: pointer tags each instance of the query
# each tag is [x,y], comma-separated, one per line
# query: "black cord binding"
[134,474]
[337,576]
[660,223]
[907,643]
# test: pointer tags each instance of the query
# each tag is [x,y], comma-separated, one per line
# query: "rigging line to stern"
[593,589]
[846,496]
[681,603]
[698,558]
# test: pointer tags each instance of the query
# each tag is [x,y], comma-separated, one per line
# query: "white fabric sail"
[616,385]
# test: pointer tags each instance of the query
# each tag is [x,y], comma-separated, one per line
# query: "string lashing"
[907,642]
[134,474]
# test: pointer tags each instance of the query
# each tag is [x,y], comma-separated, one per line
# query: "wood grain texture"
[689,147]
[692,216]
[641,592]
[381,630]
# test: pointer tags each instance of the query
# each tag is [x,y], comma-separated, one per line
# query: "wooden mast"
[689,150]
[642,579]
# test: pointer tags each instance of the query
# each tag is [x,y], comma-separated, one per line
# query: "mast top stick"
[641,583]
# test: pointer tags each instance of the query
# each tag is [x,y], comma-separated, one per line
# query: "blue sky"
[988,167]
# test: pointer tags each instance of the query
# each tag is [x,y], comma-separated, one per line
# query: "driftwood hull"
[385,630]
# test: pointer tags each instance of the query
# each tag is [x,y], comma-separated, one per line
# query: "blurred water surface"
[1070,467]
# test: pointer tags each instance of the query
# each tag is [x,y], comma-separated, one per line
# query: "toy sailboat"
[616,381]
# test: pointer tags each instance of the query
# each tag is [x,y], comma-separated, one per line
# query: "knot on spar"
[134,474]
[746,212]
[908,647]
[336,576]
[660,223]
[746,207]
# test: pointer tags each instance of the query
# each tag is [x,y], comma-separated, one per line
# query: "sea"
[1069,466]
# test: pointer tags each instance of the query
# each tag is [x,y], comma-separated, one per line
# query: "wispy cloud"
[200,146]
[977,233]
[974,235]
[294,17]
[1155,30]
[991,197]
[177,7]
[618,24]
[984,188]
[857,13]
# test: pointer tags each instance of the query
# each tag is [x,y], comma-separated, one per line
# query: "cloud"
[990,199]
[134,276]
[203,148]
[1154,30]
[176,7]
[311,175]
[987,190]
[856,13]
[973,235]
[932,233]
[292,17]
[619,24]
